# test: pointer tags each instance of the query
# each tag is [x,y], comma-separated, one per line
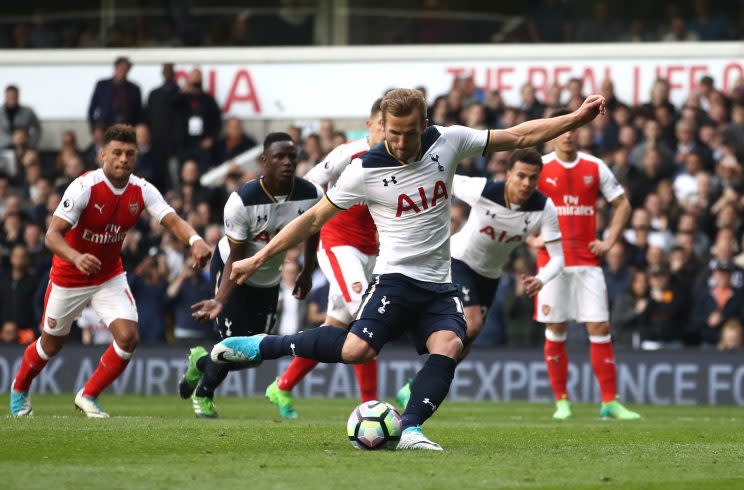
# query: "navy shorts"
[395,304]
[249,311]
[476,290]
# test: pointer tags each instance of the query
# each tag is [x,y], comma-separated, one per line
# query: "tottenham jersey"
[493,230]
[410,203]
[354,227]
[101,215]
[253,217]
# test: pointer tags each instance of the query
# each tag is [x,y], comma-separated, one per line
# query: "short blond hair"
[402,102]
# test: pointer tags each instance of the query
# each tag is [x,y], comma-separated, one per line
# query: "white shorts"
[111,300]
[578,293]
[348,271]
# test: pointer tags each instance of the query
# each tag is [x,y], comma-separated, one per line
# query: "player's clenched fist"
[592,107]
[201,254]
[243,269]
[87,264]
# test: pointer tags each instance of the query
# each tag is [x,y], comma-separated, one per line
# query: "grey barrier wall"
[677,377]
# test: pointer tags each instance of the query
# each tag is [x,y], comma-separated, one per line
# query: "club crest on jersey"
[133,207]
[435,159]
[51,322]
[357,287]
[588,180]
[405,203]
[546,310]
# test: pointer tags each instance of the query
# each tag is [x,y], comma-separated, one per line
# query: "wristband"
[193,239]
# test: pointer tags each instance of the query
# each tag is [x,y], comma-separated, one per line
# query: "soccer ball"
[374,425]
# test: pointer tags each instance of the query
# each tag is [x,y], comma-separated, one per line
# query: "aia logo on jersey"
[500,235]
[133,207]
[405,203]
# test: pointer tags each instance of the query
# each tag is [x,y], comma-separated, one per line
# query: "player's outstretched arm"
[309,223]
[55,242]
[186,234]
[539,131]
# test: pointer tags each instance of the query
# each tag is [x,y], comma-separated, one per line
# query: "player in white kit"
[502,215]
[346,255]
[407,182]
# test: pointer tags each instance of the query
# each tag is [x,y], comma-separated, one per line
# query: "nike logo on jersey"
[392,180]
[99,207]
[552,180]
[385,302]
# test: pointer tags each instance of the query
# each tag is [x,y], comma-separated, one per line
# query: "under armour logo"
[552,180]
[385,302]
[228,324]
[300,211]
[466,294]
[435,159]
[526,224]
[428,402]
[392,179]
[490,214]
[367,332]
[292,346]
[99,207]
[265,217]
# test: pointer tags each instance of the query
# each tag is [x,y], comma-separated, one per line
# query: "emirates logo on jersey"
[133,207]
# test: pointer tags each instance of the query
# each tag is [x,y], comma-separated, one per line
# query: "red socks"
[603,364]
[367,378]
[557,361]
[113,362]
[33,362]
[299,367]
[294,373]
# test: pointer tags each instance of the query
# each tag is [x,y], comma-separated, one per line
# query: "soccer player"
[573,180]
[253,215]
[347,253]
[85,236]
[406,181]
[502,215]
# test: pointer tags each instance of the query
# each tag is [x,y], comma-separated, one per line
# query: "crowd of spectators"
[674,280]
[176,23]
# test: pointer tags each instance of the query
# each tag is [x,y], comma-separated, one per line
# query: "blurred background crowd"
[675,280]
[173,23]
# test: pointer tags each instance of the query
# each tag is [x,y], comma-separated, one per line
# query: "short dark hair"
[529,156]
[272,138]
[14,88]
[376,108]
[120,132]
[560,111]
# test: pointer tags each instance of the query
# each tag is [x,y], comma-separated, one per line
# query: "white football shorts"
[578,293]
[111,300]
[348,271]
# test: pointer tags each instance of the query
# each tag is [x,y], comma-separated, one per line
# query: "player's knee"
[128,340]
[357,351]
[445,343]
[556,328]
[598,328]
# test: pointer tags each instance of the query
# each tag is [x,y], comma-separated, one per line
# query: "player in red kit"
[85,236]
[346,255]
[573,180]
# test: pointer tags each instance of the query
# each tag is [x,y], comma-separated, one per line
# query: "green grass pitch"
[156,442]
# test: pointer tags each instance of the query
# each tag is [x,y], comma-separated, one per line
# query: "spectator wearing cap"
[116,99]
[718,305]
[14,115]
